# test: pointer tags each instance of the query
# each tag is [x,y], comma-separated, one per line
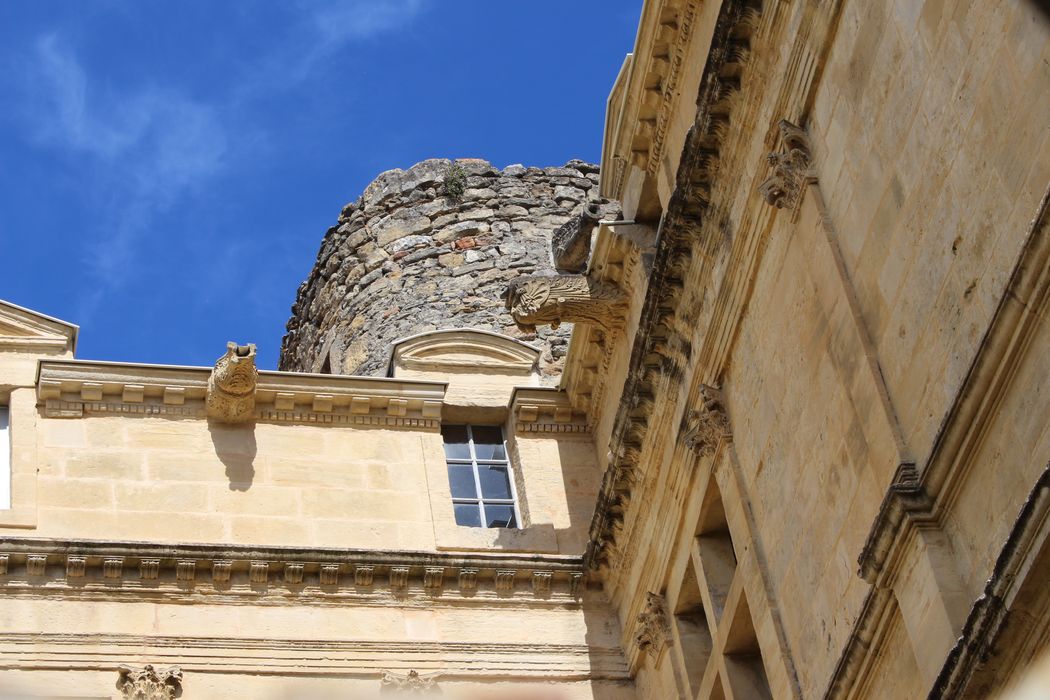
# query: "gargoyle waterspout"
[231,386]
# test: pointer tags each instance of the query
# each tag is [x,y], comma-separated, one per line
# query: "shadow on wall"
[235,447]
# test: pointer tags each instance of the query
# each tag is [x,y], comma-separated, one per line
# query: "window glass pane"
[488,442]
[494,481]
[499,516]
[455,437]
[461,481]
[467,514]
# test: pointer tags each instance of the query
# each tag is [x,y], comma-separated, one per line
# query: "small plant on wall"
[455,182]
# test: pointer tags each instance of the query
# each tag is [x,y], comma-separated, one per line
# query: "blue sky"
[167,169]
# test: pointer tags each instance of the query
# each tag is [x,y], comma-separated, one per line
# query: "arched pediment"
[464,350]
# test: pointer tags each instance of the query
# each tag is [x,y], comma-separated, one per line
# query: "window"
[5,459]
[479,476]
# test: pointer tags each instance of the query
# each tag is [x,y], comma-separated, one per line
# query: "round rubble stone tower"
[429,248]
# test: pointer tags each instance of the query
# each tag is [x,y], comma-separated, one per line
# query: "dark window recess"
[479,476]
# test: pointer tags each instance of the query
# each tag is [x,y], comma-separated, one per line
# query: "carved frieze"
[231,386]
[789,168]
[654,627]
[709,424]
[538,300]
[149,683]
[411,683]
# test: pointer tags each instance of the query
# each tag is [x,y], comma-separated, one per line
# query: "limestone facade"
[798,449]
[823,426]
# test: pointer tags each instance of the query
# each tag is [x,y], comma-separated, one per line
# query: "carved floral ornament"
[654,626]
[535,300]
[411,683]
[790,168]
[149,683]
[709,424]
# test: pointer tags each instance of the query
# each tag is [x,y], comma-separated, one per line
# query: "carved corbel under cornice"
[149,683]
[653,633]
[231,386]
[790,168]
[708,425]
[537,300]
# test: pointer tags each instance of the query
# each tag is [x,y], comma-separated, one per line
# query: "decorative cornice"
[74,388]
[177,569]
[661,351]
[545,410]
[198,655]
[36,331]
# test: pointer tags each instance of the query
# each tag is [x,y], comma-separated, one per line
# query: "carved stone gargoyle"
[571,242]
[535,300]
[149,683]
[411,683]
[231,386]
[790,167]
[709,424]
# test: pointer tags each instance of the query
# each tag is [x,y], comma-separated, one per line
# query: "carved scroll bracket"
[231,386]
[709,424]
[535,300]
[790,168]
[149,683]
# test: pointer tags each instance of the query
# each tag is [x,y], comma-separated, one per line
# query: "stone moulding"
[75,388]
[660,349]
[790,167]
[149,682]
[132,568]
[505,660]
[545,410]
[542,300]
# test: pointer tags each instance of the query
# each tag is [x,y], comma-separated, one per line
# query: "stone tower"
[431,247]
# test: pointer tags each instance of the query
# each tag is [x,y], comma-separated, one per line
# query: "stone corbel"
[231,386]
[790,168]
[536,300]
[654,626]
[149,683]
[708,425]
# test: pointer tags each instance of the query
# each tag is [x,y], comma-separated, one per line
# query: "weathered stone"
[409,259]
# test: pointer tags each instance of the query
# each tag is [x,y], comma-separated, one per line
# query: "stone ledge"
[178,569]
[546,410]
[73,388]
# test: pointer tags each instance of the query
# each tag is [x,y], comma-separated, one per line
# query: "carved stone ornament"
[571,242]
[149,683]
[654,627]
[411,683]
[538,300]
[790,166]
[231,386]
[709,424]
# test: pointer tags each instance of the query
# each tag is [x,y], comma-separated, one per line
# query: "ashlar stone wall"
[409,257]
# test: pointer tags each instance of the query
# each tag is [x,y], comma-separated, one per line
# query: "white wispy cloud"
[144,148]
